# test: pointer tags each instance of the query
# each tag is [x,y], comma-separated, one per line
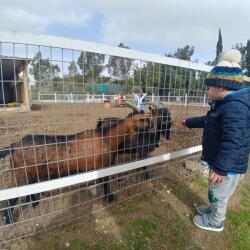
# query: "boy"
[226,138]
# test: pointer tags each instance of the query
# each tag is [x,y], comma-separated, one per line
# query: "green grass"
[131,210]
[201,181]
[240,222]
[139,232]
[246,200]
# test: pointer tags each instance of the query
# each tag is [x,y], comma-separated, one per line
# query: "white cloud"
[167,23]
[175,22]
[33,16]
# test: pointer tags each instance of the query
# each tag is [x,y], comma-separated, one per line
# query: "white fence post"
[103,97]
[55,98]
[185,102]
[153,97]
[71,97]
[204,100]
[168,96]
[87,97]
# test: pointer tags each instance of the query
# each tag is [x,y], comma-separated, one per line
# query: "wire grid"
[68,75]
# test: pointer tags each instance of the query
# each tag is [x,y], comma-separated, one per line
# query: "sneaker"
[203,222]
[203,209]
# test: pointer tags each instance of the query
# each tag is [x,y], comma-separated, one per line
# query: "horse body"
[143,142]
[43,157]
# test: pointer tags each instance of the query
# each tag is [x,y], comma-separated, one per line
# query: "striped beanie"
[227,73]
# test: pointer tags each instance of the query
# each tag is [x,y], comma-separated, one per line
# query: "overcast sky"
[156,26]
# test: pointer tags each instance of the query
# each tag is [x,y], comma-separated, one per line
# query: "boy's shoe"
[203,222]
[203,209]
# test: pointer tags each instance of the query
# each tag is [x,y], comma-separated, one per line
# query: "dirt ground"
[74,118]
[59,118]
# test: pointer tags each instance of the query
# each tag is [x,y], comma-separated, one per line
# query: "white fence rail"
[94,175]
[91,98]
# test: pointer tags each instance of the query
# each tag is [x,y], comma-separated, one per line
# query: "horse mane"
[141,112]
[114,121]
[104,129]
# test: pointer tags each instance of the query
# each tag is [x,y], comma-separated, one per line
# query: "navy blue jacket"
[226,134]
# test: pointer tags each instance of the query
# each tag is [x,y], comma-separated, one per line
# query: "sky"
[155,26]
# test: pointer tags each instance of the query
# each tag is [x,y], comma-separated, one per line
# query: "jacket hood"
[242,95]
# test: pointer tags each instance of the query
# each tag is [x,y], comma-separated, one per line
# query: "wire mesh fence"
[77,134]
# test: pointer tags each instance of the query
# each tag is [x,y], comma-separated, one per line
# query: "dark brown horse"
[38,158]
[146,141]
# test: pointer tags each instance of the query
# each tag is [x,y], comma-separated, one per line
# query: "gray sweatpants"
[219,194]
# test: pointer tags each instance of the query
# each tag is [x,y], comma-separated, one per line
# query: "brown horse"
[38,158]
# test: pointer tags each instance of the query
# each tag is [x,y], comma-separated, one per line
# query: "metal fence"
[72,153]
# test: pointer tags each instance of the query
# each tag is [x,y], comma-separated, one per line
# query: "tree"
[248,58]
[219,47]
[119,66]
[242,49]
[210,63]
[184,53]
[73,70]
[43,70]
[91,65]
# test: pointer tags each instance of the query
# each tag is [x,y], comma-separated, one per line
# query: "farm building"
[14,90]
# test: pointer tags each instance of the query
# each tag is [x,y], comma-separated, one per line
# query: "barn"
[14,84]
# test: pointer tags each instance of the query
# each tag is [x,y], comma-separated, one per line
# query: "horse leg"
[32,199]
[142,155]
[107,190]
[106,185]
[8,213]
[146,175]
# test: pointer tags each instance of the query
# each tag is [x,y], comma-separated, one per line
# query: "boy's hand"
[214,177]
[184,123]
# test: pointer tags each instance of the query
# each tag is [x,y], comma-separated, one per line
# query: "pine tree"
[219,47]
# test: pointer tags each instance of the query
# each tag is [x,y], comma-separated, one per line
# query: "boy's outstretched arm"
[195,122]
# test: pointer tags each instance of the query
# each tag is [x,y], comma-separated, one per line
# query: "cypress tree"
[219,47]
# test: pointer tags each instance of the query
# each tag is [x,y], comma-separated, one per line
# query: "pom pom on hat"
[227,73]
[232,55]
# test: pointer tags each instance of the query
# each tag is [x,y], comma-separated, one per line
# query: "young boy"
[226,138]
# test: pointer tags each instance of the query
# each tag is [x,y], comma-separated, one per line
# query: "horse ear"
[99,123]
[153,111]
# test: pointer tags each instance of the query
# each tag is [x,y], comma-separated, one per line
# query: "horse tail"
[6,151]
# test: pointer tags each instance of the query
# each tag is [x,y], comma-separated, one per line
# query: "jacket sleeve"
[234,124]
[196,122]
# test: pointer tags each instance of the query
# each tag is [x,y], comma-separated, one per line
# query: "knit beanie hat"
[227,73]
